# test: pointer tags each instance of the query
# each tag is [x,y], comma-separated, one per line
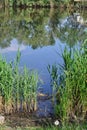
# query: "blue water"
[41,40]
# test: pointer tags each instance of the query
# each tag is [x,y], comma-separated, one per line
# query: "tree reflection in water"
[38,28]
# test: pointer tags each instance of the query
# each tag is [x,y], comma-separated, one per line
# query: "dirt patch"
[34,119]
[25,120]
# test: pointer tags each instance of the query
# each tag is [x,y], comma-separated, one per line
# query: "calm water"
[41,36]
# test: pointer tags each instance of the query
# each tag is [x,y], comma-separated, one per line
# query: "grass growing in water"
[72,89]
[18,90]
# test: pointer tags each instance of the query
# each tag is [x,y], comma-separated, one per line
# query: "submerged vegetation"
[18,88]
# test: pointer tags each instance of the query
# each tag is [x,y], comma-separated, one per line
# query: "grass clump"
[71,97]
[82,126]
[18,90]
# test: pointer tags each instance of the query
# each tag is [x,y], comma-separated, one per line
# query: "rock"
[2,120]
[42,96]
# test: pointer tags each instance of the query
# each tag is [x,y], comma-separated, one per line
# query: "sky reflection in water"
[41,36]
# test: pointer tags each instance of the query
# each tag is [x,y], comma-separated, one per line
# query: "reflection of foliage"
[32,2]
[29,28]
[35,28]
[24,27]
[71,35]
[54,20]
[72,32]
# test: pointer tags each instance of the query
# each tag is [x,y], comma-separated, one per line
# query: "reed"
[17,88]
[71,94]
[74,93]
[53,71]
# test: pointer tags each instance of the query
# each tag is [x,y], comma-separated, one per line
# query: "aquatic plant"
[74,93]
[6,80]
[53,71]
[17,88]
[71,95]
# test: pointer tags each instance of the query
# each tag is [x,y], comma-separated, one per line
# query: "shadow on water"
[41,35]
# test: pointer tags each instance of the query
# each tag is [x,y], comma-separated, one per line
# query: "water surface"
[41,36]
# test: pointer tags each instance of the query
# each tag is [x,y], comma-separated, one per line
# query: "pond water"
[40,35]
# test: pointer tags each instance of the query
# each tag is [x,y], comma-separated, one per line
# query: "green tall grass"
[74,95]
[72,89]
[17,89]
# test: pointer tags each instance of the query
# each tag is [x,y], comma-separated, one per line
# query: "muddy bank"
[24,120]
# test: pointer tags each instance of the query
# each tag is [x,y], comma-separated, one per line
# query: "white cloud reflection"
[14,46]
